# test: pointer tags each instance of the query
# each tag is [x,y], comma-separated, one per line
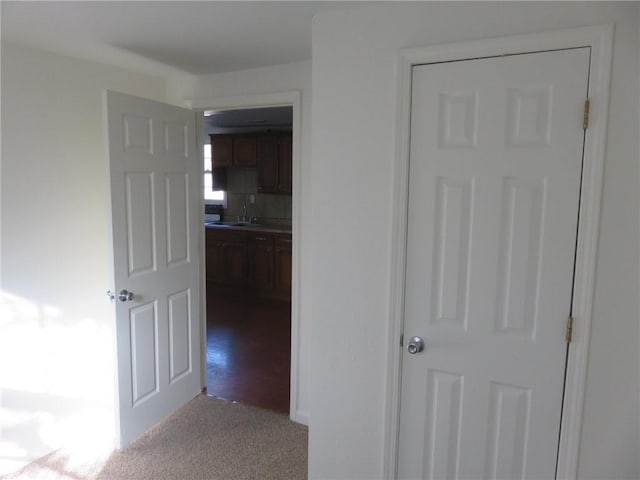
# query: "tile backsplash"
[273,209]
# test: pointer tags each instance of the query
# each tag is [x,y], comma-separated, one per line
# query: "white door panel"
[153,163]
[494,188]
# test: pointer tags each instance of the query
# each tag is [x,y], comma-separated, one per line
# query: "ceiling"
[169,36]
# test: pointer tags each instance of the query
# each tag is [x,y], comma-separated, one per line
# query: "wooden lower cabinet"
[226,257]
[234,261]
[260,254]
[256,262]
[222,150]
[282,265]
[214,262]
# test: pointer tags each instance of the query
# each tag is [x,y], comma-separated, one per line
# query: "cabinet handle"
[261,238]
[268,250]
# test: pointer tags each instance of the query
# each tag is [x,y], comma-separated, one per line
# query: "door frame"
[600,39]
[290,98]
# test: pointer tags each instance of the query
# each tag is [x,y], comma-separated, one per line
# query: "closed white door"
[494,190]
[153,163]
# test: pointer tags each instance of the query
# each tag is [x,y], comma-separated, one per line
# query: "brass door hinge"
[569,333]
[585,115]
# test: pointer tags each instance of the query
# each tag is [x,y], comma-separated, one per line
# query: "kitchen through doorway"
[248,248]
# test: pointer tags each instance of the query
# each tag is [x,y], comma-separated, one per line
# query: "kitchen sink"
[232,224]
[247,225]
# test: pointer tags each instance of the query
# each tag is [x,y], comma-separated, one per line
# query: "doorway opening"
[248,249]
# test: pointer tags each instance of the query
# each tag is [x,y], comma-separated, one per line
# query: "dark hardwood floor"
[249,350]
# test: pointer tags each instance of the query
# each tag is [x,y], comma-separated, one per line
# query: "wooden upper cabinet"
[274,163]
[244,150]
[221,150]
[271,153]
[228,150]
[284,163]
[267,164]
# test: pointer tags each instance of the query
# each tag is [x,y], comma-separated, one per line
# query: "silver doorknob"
[124,295]
[416,345]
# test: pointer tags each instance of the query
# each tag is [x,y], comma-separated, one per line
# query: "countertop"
[249,227]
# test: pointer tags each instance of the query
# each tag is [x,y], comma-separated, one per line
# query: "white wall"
[354,55]
[56,324]
[274,79]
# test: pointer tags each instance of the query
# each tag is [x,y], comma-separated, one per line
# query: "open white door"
[153,162]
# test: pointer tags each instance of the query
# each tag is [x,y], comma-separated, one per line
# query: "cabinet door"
[234,262]
[221,150]
[284,163]
[244,150]
[260,253]
[267,164]
[219,178]
[282,264]
[214,257]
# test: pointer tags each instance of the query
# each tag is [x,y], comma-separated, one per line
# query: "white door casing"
[494,188]
[153,164]
[297,412]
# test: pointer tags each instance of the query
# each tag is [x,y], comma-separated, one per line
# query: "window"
[215,196]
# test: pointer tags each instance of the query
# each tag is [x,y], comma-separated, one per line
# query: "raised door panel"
[284,163]
[141,223]
[221,150]
[244,150]
[267,164]
[177,221]
[180,337]
[145,369]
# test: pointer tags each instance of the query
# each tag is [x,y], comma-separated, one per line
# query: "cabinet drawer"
[219,234]
[260,238]
[283,240]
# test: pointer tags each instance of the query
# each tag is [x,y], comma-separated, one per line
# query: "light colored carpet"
[207,439]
